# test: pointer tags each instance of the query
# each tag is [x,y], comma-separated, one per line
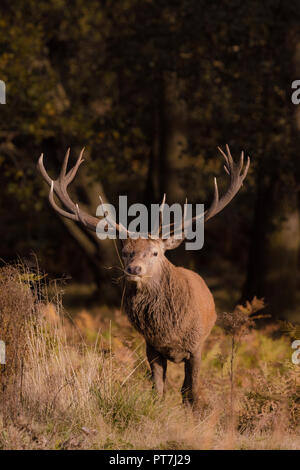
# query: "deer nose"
[134,270]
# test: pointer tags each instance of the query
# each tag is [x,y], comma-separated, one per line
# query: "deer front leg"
[158,366]
[190,387]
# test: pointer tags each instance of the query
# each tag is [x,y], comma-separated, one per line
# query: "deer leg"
[190,387]
[158,366]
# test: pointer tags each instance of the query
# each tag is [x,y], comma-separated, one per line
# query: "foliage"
[79,392]
[95,75]
[239,322]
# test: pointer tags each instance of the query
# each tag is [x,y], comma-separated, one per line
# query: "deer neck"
[163,295]
[158,305]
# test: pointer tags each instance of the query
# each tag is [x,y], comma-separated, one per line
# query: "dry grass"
[85,385]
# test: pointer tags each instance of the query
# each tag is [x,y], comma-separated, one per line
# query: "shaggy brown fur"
[172,308]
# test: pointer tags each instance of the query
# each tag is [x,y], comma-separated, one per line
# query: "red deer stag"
[170,306]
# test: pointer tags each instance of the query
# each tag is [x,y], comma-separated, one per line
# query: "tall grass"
[84,384]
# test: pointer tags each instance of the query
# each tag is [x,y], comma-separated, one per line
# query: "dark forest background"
[151,88]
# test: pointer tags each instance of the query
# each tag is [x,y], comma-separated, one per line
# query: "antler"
[234,170]
[160,221]
[59,187]
[236,181]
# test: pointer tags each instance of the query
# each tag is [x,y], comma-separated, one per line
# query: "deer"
[171,306]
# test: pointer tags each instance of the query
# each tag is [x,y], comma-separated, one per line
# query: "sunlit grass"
[84,383]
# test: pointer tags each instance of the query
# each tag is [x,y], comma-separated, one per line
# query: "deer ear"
[171,243]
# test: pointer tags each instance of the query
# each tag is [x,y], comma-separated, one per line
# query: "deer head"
[143,257]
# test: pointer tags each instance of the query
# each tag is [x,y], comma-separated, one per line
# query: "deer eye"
[155,253]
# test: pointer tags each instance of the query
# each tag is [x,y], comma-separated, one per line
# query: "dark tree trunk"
[274,250]
[273,258]
[169,141]
[100,255]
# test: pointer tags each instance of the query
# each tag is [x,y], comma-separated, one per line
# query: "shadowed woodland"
[151,89]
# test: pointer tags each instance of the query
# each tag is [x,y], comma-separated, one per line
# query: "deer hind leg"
[190,387]
[158,366]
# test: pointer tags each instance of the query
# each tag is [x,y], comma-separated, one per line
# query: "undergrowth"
[83,383]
